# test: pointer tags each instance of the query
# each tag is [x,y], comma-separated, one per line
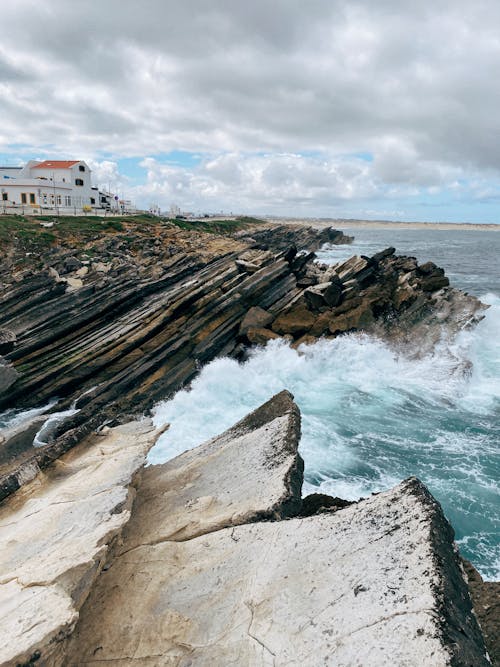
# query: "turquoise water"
[371,418]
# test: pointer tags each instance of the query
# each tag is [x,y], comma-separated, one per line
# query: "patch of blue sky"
[185,159]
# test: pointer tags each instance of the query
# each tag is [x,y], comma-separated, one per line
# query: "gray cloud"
[415,84]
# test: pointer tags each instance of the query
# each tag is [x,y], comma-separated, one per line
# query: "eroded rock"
[376,583]
[55,535]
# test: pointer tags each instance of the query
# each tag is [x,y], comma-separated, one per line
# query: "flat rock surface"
[55,534]
[251,471]
[377,583]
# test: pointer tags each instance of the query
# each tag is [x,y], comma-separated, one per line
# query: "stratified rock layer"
[375,583]
[140,326]
[55,535]
[252,471]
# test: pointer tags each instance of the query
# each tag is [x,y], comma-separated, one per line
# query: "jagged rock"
[377,257]
[261,336]
[358,318]
[142,330]
[316,503]
[55,534]
[376,583]
[351,268]
[7,341]
[8,375]
[256,318]
[296,321]
[71,264]
[324,294]
[486,600]
[252,471]
[280,237]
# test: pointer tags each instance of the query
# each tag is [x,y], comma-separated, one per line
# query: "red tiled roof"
[55,164]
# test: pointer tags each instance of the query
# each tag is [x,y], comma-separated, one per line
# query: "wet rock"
[261,336]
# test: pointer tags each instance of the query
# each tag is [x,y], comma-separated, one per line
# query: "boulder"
[296,321]
[357,318]
[7,341]
[252,471]
[256,318]
[71,264]
[261,336]
[55,535]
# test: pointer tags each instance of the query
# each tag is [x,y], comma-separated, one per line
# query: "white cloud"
[411,83]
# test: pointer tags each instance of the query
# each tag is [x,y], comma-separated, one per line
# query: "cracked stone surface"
[377,584]
[55,533]
[252,471]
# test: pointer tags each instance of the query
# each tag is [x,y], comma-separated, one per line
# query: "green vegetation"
[214,226]
[30,235]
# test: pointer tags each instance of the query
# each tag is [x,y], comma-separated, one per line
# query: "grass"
[29,235]
[217,226]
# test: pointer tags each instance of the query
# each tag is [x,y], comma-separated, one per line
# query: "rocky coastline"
[111,322]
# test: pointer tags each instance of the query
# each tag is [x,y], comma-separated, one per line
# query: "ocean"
[371,417]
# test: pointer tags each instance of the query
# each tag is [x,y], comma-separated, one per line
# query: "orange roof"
[55,164]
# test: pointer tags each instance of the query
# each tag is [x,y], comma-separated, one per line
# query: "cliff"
[214,563]
[110,322]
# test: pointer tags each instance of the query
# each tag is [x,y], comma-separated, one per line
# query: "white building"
[62,185]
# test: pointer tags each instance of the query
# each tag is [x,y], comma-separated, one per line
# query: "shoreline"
[385,224]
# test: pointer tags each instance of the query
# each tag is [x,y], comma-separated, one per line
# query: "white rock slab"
[374,584]
[252,471]
[54,536]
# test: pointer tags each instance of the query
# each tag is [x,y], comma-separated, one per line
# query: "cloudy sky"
[335,108]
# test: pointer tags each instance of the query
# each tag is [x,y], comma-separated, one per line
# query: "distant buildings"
[62,185]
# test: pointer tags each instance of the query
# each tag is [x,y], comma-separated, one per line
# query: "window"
[78,181]
[92,200]
[24,199]
[44,198]
[67,200]
[81,167]
[32,197]
[5,196]
[59,200]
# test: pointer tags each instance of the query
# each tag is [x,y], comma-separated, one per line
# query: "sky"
[325,108]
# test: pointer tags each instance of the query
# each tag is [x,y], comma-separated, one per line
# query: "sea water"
[371,418]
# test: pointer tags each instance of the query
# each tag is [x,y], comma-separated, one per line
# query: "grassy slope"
[73,232]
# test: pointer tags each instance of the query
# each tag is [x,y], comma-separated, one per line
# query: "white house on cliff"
[64,185]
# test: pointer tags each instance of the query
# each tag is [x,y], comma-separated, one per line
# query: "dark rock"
[485,597]
[316,503]
[7,341]
[8,375]
[434,283]
[72,264]
[429,268]
[379,256]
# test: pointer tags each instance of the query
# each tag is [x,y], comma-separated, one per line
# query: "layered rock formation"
[217,565]
[55,534]
[130,321]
